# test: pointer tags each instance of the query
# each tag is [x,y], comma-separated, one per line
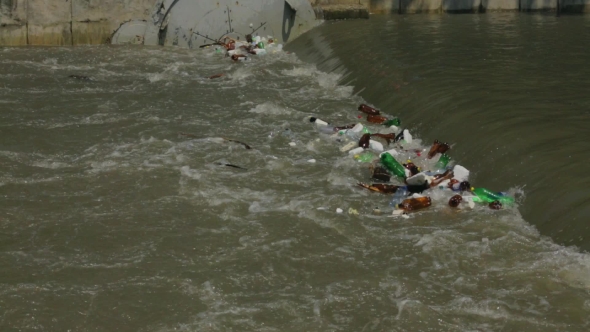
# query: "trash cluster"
[401,168]
[241,50]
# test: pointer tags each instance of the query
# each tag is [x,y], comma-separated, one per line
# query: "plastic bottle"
[413,204]
[393,165]
[443,161]
[400,195]
[317,121]
[365,157]
[375,145]
[487,196]
[392,122]
[368,109]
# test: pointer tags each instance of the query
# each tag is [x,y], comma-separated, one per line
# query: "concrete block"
[460,6]
[50,34]
[384,6]
[111,10]
[91,33]
[49,12]
[13,35]
[13,12]
[537,5]
[342,12]
[499,5]
[421,6]
[574,6]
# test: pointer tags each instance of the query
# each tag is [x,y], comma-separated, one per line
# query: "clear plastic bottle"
[400,195]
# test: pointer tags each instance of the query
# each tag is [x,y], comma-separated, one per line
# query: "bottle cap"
[472,189]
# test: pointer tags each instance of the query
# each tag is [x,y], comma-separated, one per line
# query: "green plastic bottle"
[443,161]
[393,122]
[393,165]
[365,157]
[366,130]
[487,196]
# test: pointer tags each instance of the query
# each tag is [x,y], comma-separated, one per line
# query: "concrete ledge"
[574,6]
[461,6]
[13,35]
[54,34]
[421,6]
[343,12]
[91,33]
[537,5]
[499,5]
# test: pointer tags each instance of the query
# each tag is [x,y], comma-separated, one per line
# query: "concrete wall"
[75,22]
[66,22]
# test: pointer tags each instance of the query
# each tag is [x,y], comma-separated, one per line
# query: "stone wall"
[66,22]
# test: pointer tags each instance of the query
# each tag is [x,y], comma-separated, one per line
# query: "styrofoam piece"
[407,136]
[377,146]
[444,184]
[392,152]
[292,143]
[339,210]
[348,146]
[397,213]
[418,179]
[311,161]
[356,151]
[320,122]
[460,173]
[394,128]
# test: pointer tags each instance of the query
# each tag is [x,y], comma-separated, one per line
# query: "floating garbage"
[486,196]
[455,201]
[392,165]
[414,204]
[368,109]
[353,212]
[438,147]
[339,210]
[292,143]
[380,187]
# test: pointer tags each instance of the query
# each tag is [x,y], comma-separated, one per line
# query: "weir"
[191,23]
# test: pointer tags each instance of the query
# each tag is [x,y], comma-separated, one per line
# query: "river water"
[110,220]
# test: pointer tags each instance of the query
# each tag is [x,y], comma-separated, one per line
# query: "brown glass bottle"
[413,204]
[455,201]
[381,174]
[376,119]
[412,168]
[438,147]
[368,109]
[441,177]
[495,205]
[380,187]
[364,141]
